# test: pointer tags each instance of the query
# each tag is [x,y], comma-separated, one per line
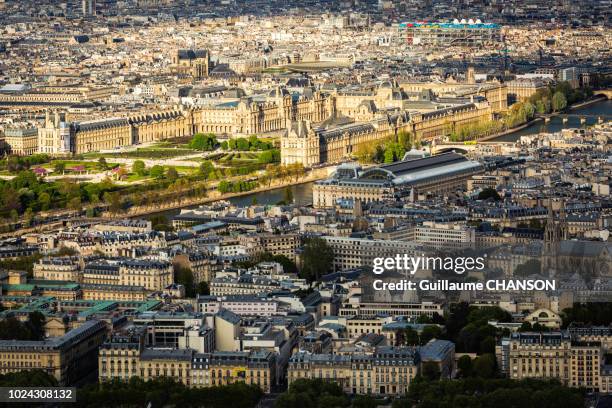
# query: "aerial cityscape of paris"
[306,203]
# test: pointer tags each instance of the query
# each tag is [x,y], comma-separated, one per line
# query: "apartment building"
[351,253]
[551,355]
[21,141]
[275,244]
[119,356]
[124,358]
[360,325]
[387,371]
[246,284]
[257,367]
[58,269]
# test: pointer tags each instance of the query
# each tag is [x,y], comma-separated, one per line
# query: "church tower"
[554,232]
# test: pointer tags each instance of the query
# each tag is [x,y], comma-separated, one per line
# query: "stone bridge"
[605,92]
[464,147]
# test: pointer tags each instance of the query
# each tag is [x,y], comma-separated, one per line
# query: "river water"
[302,193]
[556,123]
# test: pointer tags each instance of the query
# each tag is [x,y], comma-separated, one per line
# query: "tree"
[28,216]
[409,337]
[172,174]
[224,186]
[288,265]
[165,392]
[206,167]
[29,378]
[431,370]
[315,393]
[75,203]
[389,157]
[465,366]
[139,168]
[242,144]
[184,276]
[559,101]
[487,193]
[113,200]
[403,138]
[203,288]
[489,393]
[430,332]
[157,171]
[317,259]
[201,141]
[364,401]
[44,201]
[485,366]
[59,167]
[102,165]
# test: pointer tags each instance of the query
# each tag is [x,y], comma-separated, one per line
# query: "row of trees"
[18,163]
[253,143]
[31,378]
[595,313]
[236,186]
[317,393]
[166,393]
[283,172]
[387,151]
[475,130]
[480,392]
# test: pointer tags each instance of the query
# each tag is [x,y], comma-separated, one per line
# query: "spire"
[562,227]
[551,215]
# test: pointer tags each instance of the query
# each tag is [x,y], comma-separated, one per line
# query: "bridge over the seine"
[605,92]
[465,147]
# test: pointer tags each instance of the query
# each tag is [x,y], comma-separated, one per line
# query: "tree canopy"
[317,259]
[165,392]
[203,141]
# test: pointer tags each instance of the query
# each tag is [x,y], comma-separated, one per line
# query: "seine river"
[556,122]
[303,193]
